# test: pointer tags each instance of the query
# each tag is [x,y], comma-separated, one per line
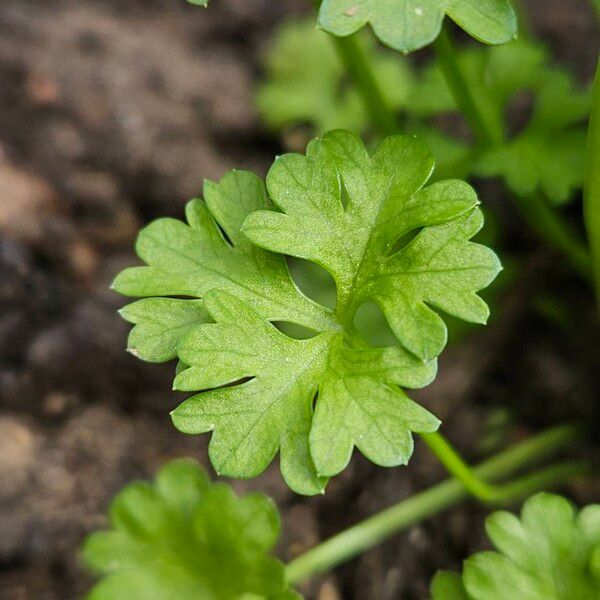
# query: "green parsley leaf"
[548,554]
[408,25]
[160,322]
[382,235]
[547,153]
[448,586]
[297,92]
[184,537]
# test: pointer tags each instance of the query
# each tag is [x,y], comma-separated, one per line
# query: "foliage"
[199,2]
[407,25]
[186,538]
[551,553]
[297,91]
[382,236]
[547,153]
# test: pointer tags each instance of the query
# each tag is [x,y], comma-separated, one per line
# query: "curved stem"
[544,219]
[591,194]
[370,532]
[461,90]
[457,467]
[356,62]
[460,470]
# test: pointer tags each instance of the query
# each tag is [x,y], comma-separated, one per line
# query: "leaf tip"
[134,351]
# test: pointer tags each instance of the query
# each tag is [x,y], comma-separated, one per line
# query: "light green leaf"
[548,154]
[408,25]
[383,236]
[184,538]
[297,92]
[544,555]
[199,2]
[337,193]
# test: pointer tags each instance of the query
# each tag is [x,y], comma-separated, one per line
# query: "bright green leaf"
[384,238]
[407,25]
[297,92]
[448,586]
[199,2]
[547,554]
[160,323]
[184,538]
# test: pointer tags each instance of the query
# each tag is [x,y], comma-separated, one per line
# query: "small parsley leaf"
[184,537]
[547,153]
[408,25]
[548,554]
[273,411]
[159,324]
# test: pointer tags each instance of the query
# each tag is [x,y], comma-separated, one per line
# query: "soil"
[111,114]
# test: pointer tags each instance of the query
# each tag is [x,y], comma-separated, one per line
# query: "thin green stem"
[356,62]
[465,474]
[458,468]
[358,67]
[461,90]
[373,530]
[591,194]
[544,219]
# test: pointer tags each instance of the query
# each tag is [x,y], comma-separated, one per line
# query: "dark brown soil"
[111,113]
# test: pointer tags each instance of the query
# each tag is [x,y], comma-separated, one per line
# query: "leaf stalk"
[356,62]
[460,89]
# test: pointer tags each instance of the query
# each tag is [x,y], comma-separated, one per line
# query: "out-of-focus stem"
[373,530]
[591,194]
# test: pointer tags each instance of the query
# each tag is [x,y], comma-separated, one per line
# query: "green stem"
[461,90]
[591,194]
[466,475]
[455,465]
[373,530]
[356,62]
[544,219]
